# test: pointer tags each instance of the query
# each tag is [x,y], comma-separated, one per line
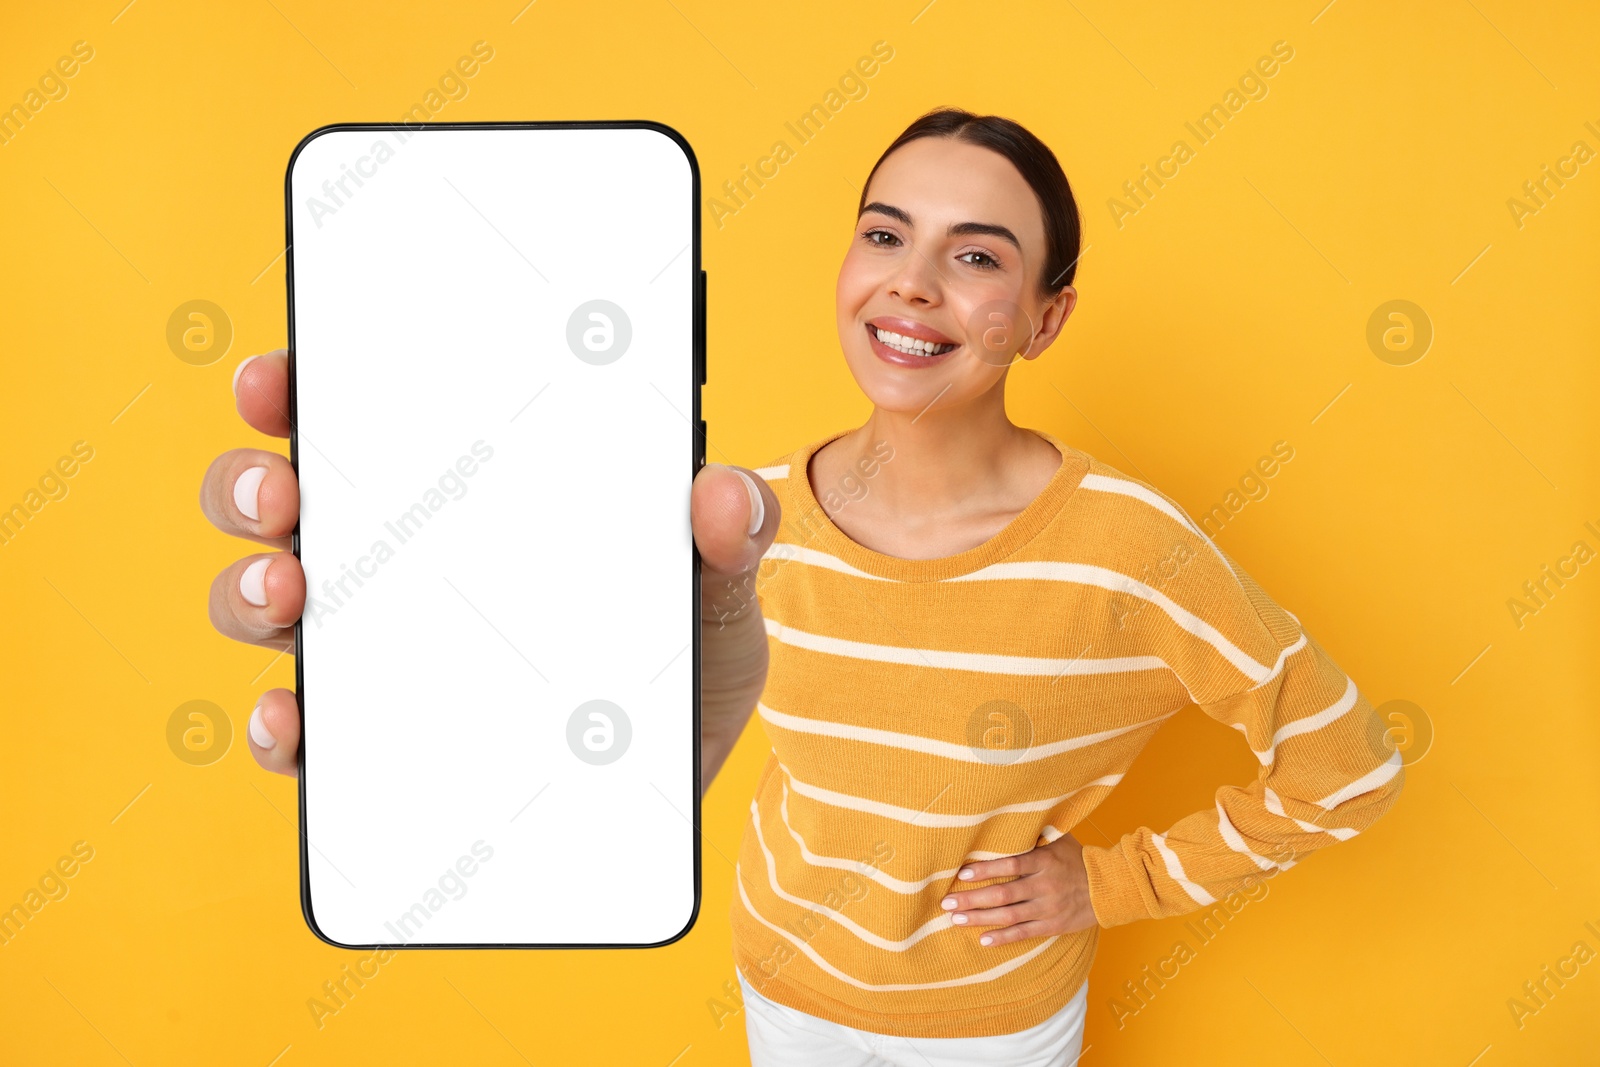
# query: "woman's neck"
[946,463]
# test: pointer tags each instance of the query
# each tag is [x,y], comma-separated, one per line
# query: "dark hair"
[1063,228]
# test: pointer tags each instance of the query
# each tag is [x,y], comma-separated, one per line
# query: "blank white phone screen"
[496,399]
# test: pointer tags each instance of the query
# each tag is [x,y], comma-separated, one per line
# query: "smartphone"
[496,348]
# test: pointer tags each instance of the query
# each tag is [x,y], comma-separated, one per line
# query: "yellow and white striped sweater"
[926,712]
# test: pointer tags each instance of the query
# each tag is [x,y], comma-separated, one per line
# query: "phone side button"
[705,328]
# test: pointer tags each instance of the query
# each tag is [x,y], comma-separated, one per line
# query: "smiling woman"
[965,661]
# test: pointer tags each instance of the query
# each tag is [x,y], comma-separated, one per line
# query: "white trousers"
[780,1036]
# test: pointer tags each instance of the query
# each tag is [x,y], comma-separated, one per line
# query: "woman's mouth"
[906,351]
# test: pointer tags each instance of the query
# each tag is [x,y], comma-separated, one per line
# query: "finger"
[251,493]
[1032,928]
[990,896]
[722,510]
[274,732]
[261,392]
[1011,913]
[1004,867]
[258,598]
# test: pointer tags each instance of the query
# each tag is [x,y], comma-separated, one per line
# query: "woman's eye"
[990,264]
[872,235]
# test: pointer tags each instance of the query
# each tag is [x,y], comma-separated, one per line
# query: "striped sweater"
[922,713]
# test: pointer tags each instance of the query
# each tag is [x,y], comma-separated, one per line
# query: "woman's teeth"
[910,345]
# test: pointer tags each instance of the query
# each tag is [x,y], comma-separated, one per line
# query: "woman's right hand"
[255,494]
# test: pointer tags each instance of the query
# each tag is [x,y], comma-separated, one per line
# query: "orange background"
[1228,313]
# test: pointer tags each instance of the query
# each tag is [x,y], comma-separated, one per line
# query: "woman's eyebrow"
[960,229]
[957,229]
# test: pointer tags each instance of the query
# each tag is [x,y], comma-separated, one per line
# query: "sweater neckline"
[818,531]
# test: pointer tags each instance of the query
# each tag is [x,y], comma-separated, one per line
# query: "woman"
[958,634]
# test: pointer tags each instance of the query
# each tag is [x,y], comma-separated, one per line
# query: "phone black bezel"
[698,331]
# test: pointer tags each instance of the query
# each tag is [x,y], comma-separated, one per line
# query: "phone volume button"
[705,329]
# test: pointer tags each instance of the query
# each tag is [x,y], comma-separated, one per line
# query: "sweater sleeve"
[1328,771]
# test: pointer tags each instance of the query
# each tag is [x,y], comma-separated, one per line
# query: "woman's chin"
[901,393]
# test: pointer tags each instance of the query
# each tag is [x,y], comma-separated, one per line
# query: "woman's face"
[947,256]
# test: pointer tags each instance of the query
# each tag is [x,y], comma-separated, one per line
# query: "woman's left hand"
[1048,894]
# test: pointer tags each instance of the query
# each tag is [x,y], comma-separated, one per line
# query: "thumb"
[734,515]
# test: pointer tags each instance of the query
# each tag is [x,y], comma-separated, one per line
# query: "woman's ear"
[1051,319]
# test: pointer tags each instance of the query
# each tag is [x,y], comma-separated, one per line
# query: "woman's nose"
[915,278]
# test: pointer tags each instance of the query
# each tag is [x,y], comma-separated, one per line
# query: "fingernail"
[758,509]
[253,582]
[258,729]
[965,875]
[985,940]
[240,369]
[947,903]
[958,919]
[247,490]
